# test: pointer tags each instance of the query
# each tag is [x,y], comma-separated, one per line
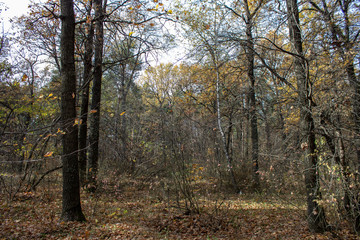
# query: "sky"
[15,8]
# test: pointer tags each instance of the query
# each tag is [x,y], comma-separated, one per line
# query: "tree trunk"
[250,59]
[85,97]
[71,206]
[315,213]
[254,136]
[96,97]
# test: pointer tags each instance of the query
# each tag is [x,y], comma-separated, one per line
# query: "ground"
[131,211]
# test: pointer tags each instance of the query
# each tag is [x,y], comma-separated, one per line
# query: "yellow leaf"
[48,154]
[77,121]
[169,11]
[24,78]
[131,33]
[50,95]
[60,131]
[122,113]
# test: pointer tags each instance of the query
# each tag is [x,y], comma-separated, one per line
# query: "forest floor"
[131,211]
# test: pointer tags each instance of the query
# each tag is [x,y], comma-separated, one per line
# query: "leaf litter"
[139,214]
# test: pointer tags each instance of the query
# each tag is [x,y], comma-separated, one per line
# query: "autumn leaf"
[122,113]
[77,121]
[131,33]
[48,154]
[60,131]
[93,111]
[24,78]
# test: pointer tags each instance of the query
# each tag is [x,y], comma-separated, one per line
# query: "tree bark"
[85,97]
[71,206]
[96,97]
[315,213]
[250,57]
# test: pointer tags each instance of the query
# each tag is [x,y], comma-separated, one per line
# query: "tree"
[127,54]
[340,20]
[40,31]
[71,206]
[96,94]
[249,19]
[315,213]
[205,33]
[87,77]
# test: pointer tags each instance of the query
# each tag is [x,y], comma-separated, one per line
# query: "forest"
[181,119]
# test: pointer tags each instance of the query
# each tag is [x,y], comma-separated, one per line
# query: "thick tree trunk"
[71,207]
[96,98]
[85,97]
[253,122]
[250,57]
[315,213]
